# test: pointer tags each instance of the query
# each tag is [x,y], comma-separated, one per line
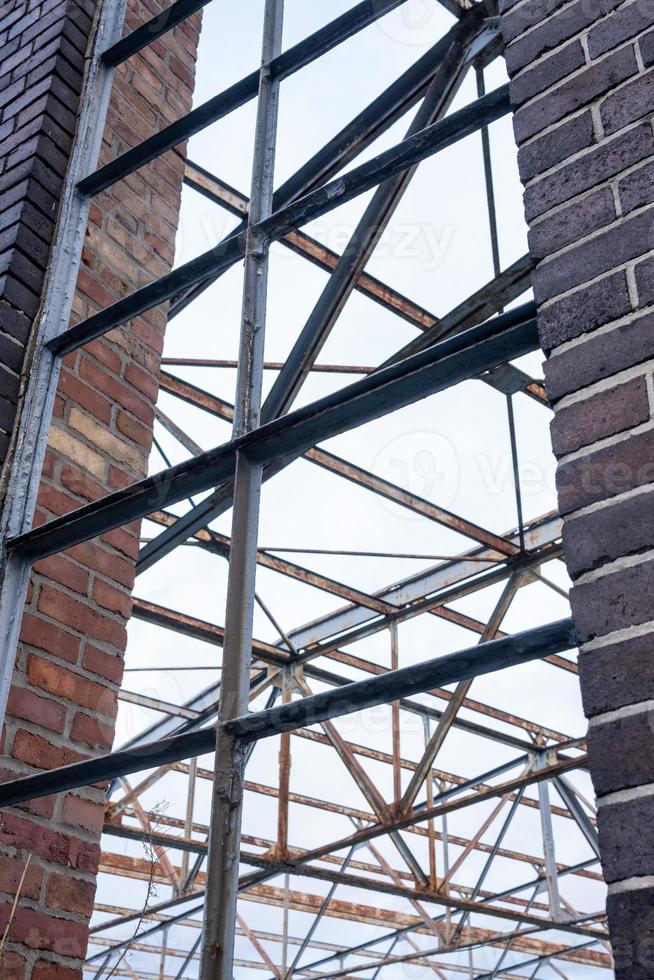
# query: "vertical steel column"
[395,721]
[431,827]
[284,776]
[227,802]
[188,823]
[551,870]
[488,175]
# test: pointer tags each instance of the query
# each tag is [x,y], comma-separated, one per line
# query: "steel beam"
[283,440]
[230,756]
[357,181]
[281,67]
[154,28]
[484,658]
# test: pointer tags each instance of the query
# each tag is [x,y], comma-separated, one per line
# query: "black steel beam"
[483,658]
[398,158]
[285,65]
[221,500]
[282,440]
[150,31]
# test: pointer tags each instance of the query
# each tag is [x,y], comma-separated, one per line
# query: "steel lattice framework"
[418,910]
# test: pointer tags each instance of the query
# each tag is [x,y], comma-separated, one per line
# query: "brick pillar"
[583,92]
[69,664]
[42,47]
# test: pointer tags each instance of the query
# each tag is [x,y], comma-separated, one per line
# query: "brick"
[38,752]
[571,224]
[123,541]
[42,711]
[575,93]
[80,484]
[63,442]
[554,30]
[42,807]
[105,441]
[633,101]
[37,930]
[85,396]
[626,851]
[592,168]
[584,310]
[618,674]
[621,25]
[53,846]
[646,45]
[37,632]
[620,243]
[614,602]
[14,322]
[637,189]
[14,966]
[11,872]
[108,563]
[60,568]
[104,664]
[70,894]
[547,73]
[87,455]
[636,765]
[53,500]
[632,933]
[625,528]
[135,431]
[612,470]
[602,415]
[11,353]
[109,597]
[46,970]
[83,813]
[600,356]
[9,384]
[644,273]
[91,731]
[63,683]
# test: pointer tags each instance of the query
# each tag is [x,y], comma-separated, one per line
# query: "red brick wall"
[583,88]
[69,664]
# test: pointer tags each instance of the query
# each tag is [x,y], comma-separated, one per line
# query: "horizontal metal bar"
[207,701]
[282,440]
[286,64]
[398,158]
[150,31]
[480,659]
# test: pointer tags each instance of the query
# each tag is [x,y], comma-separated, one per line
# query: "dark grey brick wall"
[42,49]
[583,91]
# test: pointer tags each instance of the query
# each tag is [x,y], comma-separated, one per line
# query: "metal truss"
[402,871]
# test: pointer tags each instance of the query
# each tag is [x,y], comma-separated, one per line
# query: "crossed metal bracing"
[413,855]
